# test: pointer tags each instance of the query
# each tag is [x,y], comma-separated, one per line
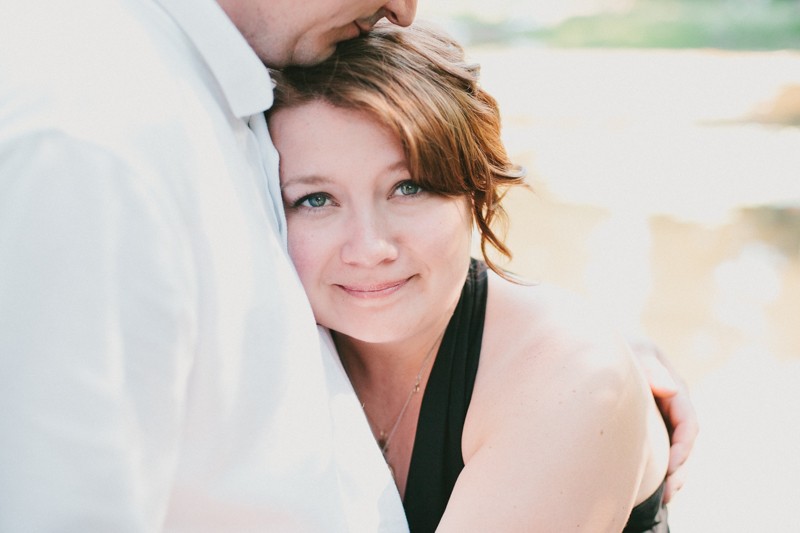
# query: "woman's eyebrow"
[310,179]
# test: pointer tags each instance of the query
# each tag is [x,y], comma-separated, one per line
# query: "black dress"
[436,460]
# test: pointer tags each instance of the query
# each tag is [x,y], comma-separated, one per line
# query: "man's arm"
[92,322]
[672,396]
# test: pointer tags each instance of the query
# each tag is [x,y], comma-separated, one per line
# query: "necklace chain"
[385,438]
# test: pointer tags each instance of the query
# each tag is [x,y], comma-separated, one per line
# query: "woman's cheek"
[299,248]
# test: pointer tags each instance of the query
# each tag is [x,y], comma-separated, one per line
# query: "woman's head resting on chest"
[390,153]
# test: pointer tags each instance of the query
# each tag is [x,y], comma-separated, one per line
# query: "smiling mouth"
[380,290]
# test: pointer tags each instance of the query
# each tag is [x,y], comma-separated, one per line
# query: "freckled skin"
[366,255]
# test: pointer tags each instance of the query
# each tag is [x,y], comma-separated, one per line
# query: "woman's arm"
[555,439]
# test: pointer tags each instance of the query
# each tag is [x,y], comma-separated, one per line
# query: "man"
[161,367]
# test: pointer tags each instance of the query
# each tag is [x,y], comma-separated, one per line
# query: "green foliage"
[741,25]
[778,225]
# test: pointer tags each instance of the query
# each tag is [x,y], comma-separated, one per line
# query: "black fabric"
[436,460]
[650,516]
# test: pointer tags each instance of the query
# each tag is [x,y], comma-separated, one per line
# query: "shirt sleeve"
[95,338]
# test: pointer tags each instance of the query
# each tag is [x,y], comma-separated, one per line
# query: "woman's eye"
[408,188]
[313,200]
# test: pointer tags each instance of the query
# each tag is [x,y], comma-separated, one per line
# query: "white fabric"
[159,364]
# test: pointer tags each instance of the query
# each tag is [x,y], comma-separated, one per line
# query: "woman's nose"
[369,242]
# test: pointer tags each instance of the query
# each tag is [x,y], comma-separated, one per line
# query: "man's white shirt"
[161,365]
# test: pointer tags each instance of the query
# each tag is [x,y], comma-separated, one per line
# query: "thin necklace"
[385,439]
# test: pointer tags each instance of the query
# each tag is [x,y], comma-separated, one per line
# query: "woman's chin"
[372,333]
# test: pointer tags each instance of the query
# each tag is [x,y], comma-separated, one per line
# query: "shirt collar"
[242,76]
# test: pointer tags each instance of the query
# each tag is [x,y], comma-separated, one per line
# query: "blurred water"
[657,130]
[663,194]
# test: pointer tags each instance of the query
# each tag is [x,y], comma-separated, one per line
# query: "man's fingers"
[678,453]
[682,419]
[661,380]
[673,484]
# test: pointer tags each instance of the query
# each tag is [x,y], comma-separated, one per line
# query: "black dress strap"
[436,459]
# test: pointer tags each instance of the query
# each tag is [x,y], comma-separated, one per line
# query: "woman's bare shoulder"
[557,392]
[549,324]
[542,343]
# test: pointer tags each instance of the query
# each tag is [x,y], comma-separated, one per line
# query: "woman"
[499,406]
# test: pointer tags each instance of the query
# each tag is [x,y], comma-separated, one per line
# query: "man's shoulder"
[108,63]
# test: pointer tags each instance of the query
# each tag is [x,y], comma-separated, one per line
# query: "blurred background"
[662,142]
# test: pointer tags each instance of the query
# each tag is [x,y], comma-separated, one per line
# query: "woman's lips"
[374,290]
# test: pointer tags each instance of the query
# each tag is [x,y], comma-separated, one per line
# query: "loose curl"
[417,82]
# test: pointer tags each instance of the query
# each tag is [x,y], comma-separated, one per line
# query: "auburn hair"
[417,82]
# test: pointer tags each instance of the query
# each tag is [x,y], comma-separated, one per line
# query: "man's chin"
[307,58]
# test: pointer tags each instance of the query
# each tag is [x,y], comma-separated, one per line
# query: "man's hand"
[672,397]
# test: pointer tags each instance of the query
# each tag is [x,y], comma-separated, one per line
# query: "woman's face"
[380,259]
